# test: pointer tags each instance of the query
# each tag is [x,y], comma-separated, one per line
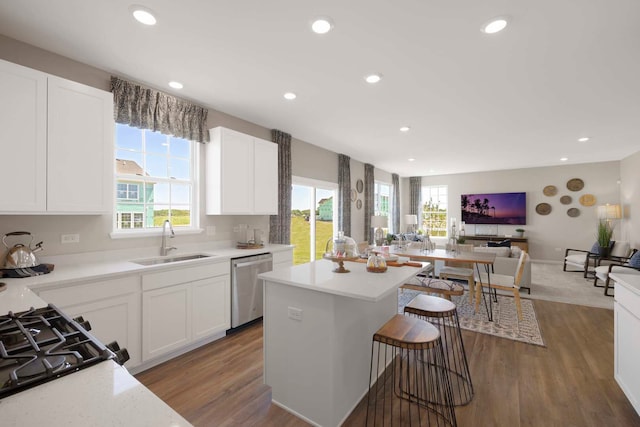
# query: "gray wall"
[548,235]
[630,198]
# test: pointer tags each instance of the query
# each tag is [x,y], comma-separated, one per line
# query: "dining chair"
[460,270]
[503,282]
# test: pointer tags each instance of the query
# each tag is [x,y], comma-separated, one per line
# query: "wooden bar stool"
[409,385]
[444,316]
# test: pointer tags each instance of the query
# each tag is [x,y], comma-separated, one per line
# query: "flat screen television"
[494,208]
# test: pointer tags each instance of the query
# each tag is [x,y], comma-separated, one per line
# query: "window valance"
[146,108]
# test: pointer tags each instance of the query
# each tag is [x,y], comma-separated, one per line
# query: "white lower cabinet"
[183,306]
[283,259]
[627,343]
[112,308]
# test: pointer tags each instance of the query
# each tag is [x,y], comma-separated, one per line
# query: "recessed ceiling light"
[176,85]
[412,159]
[494,26]
[373,78]
[144,15]
[322,25]
[564,159]
[290,96]
[405,129]
[583,139]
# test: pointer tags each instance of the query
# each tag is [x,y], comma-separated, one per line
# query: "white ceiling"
[516,99]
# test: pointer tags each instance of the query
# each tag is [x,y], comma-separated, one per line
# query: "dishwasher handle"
[247,264]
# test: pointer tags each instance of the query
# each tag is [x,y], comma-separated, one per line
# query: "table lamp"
[411,221]
[379,222]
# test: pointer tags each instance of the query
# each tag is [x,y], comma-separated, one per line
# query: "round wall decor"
[550,190]
[359,185]
[587,200]
[359,204]
[354,195]
[543,208]
[575,184]
[565,200]
[573,212]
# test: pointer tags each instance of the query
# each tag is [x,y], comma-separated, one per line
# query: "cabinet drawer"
[92,291]
[628,299]
[183,275]
[284,256]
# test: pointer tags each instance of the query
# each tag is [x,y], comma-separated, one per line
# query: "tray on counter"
[249,245]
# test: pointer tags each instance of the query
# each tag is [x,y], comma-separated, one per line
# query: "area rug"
[505,318]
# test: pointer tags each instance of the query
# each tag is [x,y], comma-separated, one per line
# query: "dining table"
[478,259]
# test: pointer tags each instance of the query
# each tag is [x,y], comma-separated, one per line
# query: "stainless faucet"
[164,249]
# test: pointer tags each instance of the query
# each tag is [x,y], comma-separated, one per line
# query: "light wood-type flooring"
[568,383]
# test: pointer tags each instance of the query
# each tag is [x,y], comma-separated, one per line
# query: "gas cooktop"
[43,344]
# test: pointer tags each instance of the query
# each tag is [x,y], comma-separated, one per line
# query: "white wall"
[548,235]
[630,198]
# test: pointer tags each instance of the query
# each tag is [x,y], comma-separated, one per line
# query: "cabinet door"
[237,173]
[211,306]
[114,319]
[627,348]
[266,177]
[80,148]
[23,138]
[166,320]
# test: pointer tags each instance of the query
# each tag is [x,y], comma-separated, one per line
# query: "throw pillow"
[505,243]
[595,249]
[635,260]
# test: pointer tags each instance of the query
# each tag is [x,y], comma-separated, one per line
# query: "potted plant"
[461,240]
[519,232]
[605,232]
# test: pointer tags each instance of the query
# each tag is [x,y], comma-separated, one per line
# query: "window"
[313,215]
[434,210]
[382,202]
[155,180]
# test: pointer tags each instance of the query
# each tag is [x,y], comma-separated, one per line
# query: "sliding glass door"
[313,215]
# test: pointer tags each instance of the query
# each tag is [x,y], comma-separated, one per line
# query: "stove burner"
[41,365]
[12,338]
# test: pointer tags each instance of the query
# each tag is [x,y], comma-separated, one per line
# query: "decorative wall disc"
[359,204]
[543,208]
[359,185]
[587,200]
[354,195]
[550,190]
[573,212]
[575,184]
[565,200]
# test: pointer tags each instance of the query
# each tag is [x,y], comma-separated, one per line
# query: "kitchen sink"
[167,260]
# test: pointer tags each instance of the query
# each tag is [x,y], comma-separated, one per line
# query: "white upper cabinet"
[23,138]
[241,174]
[56,142]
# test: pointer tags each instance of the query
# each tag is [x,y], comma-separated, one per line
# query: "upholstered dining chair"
[503,282]
[629,265]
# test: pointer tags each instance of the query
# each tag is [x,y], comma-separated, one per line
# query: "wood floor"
[568,383]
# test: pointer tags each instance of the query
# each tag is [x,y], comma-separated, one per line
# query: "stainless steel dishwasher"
[246,288]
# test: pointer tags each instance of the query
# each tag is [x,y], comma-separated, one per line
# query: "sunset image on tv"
[496,208]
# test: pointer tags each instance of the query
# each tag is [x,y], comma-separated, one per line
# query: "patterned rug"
[505,317]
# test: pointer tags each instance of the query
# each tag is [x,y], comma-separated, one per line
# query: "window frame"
[427,194]
[376,211]
[142,181]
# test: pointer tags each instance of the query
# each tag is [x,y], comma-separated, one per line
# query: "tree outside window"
[434,210]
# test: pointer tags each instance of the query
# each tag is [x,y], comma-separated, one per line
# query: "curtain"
[344,194]
[415,188]
[145,108]
[280,225]
[369,207]
[395,206]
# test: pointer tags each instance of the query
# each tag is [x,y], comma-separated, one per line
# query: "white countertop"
[101,395]
[358,283]
[629,281]
[104,394]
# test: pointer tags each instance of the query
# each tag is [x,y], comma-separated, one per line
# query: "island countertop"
[358,283]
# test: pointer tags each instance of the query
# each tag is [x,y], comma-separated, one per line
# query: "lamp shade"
[411,219]
[609,212]
[379,221]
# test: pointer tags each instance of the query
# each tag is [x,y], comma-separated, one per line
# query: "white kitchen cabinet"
[241,174]
[283,259]
[57,144]
[183,306]
[112,308]
[627,340]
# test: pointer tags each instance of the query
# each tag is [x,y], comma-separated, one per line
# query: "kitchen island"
[318,327]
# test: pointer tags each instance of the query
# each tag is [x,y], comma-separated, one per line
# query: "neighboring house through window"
[155,179]
[434,210]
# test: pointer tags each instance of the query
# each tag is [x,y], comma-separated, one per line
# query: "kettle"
[20,255]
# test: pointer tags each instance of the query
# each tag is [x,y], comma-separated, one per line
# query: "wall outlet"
[294,313]
[211,230]
[70,238]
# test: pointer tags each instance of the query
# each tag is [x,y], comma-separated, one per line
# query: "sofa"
[507,261]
